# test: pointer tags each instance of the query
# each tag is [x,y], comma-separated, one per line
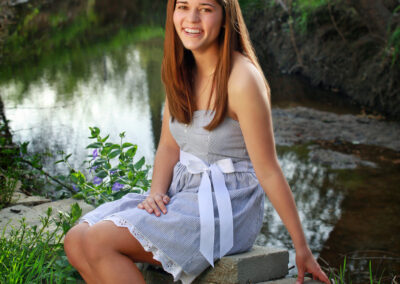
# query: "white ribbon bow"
[195,165]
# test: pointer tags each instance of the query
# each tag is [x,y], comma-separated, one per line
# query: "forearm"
[280,195]
[164,162]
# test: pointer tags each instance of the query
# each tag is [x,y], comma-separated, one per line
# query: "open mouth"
[192,32]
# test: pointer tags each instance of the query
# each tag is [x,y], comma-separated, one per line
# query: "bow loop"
[196,167]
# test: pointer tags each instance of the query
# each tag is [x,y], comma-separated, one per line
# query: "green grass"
[35,254]
[305,10]
[394,45]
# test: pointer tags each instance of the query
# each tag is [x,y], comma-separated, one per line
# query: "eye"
[205,10]
[180,7]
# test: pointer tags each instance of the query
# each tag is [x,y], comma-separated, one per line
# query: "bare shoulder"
[245,83]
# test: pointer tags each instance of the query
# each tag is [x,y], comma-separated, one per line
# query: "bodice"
[225,141]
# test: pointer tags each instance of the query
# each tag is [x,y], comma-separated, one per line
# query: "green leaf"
[105,151]
[105,138]
[127,144]
[132,151]
[101,174]
[114,153]
[78,196]
[95,145]
[140,163]
[76,211]
[95,131]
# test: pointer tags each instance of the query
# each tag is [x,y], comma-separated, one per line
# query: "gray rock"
[20,198]
[258,264]
[337,160]
[10,217]
[301,124]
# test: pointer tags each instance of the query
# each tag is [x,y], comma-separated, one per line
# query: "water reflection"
[114,101]
[318,202]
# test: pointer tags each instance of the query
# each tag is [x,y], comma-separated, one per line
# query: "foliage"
[112,172]
[343,276]
[394,40]
[394,43]
[32,254]
[305,10]
[8,184]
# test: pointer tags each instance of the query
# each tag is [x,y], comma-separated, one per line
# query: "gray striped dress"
[174,238]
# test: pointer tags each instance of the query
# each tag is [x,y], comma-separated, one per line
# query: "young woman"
[215,160]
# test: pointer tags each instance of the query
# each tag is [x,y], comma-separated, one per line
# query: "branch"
[334,23]
[49,176]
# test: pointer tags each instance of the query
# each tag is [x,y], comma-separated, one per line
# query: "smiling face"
[198,23]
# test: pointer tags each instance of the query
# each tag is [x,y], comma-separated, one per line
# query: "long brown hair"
[178,64]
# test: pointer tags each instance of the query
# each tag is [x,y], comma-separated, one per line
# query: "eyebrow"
[201,4]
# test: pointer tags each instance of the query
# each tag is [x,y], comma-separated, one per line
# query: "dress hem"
[168,264]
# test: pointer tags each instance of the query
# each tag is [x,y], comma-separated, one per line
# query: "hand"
[155,203]
[306,263]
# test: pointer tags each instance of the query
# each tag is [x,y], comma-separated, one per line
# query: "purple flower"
[117,186]
[113,172]
[75,188]
[97,180]
[93,168]
[95,154]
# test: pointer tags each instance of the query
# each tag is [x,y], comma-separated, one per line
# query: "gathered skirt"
[174,238]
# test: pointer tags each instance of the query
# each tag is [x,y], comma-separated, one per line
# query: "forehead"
[197,2]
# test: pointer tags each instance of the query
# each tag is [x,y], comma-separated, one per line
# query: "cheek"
[176,20]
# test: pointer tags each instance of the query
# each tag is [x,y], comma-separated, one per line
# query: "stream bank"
[336,45]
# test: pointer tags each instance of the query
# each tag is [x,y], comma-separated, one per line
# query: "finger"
[300,276]
[140,205]
[160,203]
[322,277]
[166,199]
[147,206]
[154,206]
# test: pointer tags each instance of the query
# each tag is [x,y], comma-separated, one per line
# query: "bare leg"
[73,246]
[111,252]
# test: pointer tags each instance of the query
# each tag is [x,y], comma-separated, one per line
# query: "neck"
[206,61]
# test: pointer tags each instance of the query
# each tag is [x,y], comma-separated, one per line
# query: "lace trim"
[168,265]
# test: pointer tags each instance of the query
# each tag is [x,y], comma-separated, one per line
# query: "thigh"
[120,239]
[74,237]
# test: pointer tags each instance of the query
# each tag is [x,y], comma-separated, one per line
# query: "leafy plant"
[342,274]
[305,9]
[32,254]
[8,184]
[394,44]
[112,171]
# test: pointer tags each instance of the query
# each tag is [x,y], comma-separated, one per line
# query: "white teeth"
[192,31]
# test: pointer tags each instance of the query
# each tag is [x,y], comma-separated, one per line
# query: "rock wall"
[337,51]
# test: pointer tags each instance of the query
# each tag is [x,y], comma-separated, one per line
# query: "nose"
[193,16]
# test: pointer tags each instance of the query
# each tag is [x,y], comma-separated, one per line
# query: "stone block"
[257,265]
[307,280]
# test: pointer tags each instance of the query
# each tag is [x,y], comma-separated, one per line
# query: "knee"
[73,245]
[94,244]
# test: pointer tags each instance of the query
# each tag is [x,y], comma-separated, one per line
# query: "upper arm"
[166,138]
[248,100]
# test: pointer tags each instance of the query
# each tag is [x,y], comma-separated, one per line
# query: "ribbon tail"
[207,225]
[224,210]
